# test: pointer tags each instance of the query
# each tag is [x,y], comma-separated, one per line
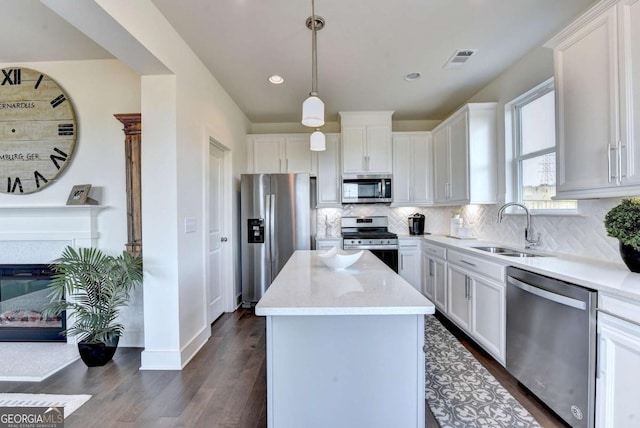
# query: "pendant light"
[317,141]
[313,107]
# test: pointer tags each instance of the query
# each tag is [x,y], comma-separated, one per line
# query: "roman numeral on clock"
[55,158]
[12,76]
[58,100]
[65,129]
[39,177]
[16,184]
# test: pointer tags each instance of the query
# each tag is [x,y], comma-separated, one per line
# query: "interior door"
[215,301]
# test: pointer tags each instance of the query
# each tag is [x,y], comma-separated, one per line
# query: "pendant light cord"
[314,51]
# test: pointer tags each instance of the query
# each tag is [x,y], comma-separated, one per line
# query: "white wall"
[98,90]
[176,260]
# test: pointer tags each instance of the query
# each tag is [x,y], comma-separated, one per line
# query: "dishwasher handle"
[558,298]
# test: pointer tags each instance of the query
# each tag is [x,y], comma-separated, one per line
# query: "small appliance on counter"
[416,224]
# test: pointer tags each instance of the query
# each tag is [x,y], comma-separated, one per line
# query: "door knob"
[223,239]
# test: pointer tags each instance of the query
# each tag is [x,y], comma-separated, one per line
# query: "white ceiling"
[364,51]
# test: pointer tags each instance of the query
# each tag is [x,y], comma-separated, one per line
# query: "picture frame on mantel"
[79,195]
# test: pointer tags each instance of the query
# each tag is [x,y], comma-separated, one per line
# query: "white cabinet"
[618,378]
[596,62]
[477,300]
[434,275]
[464,151]
[328,178]
[412,169]
[284,153]
[366,142]
[328,243]
[409,261]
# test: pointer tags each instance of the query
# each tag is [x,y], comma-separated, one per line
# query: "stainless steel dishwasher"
[551,343]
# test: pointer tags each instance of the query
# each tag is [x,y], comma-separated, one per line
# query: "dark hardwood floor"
[223,386]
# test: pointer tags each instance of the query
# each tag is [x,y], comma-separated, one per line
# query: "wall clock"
[37,131]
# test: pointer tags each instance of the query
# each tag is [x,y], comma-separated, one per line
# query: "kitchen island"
[344,348]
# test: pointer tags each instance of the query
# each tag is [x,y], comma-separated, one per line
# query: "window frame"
[513,146]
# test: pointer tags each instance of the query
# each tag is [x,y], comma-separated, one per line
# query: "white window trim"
[512,179]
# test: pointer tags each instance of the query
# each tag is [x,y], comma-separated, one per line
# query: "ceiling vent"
[459,57]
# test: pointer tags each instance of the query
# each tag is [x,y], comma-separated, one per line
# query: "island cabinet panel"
[345,371]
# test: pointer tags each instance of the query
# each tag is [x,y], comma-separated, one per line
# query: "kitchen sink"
[509,252]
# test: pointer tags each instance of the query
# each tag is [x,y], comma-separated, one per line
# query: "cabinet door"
[328,181]
[440,284]
[266,155]
[378,149]
[421,170]
[409,263]
[441,164]
[489,315]
[402,173]
[618,381]
[297,156]
[586,80]
[428,277]
[353,149]
[459,307]
[459,159]
[630,94]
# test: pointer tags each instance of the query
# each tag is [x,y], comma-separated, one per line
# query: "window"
[533,120]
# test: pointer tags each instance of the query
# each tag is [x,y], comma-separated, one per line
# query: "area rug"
[460,392]
[34,361]
[71,403]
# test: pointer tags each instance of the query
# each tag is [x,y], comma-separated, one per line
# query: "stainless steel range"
[371,233]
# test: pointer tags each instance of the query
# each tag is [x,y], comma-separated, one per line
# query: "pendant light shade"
[317,141]
[313,112]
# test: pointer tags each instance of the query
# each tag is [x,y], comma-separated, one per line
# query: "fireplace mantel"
[38,233]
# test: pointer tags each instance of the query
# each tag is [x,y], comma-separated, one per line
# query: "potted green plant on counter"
[623,222]
[93,287]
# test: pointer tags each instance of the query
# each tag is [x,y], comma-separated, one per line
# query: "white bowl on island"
[337,259]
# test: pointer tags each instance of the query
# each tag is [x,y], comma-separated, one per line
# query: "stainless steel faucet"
[530,241]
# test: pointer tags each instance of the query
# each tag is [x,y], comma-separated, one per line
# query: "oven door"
[389,257]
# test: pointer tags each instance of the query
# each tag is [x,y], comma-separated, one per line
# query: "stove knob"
[359,242]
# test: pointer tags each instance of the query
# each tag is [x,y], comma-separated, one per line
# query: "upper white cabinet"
[412,169]
[328,179]
[464,156]
[279,153]
[597,104]
[366,142]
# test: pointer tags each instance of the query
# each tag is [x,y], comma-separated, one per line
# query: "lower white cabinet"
[328,243]
[618,377]
[476,300]
[434,268]
[409,261]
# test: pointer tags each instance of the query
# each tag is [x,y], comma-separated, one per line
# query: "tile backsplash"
[581,235]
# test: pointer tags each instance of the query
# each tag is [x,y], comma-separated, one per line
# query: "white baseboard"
[175,359]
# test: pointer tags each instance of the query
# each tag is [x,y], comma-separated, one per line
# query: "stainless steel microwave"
[366,189]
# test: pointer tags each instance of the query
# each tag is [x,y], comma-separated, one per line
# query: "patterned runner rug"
[460,392]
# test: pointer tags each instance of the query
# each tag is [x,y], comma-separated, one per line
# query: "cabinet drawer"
[621,308]
[481,266]
[434,250]
[409,244]
[327,244]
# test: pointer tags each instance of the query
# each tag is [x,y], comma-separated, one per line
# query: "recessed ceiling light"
[276,80]
[410,77]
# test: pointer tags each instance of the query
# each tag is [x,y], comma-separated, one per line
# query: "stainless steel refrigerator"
[276,220]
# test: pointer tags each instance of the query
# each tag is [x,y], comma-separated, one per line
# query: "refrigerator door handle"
[272,227]
[267,214]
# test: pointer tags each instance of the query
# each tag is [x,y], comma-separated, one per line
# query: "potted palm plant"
[623,222]
[93,286]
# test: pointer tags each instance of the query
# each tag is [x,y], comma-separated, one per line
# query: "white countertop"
[368,287]
[613,278]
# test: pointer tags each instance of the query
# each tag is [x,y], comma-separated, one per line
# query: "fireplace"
[23,294]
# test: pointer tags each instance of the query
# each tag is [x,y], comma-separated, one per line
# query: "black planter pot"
[630,257]
[97,354]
